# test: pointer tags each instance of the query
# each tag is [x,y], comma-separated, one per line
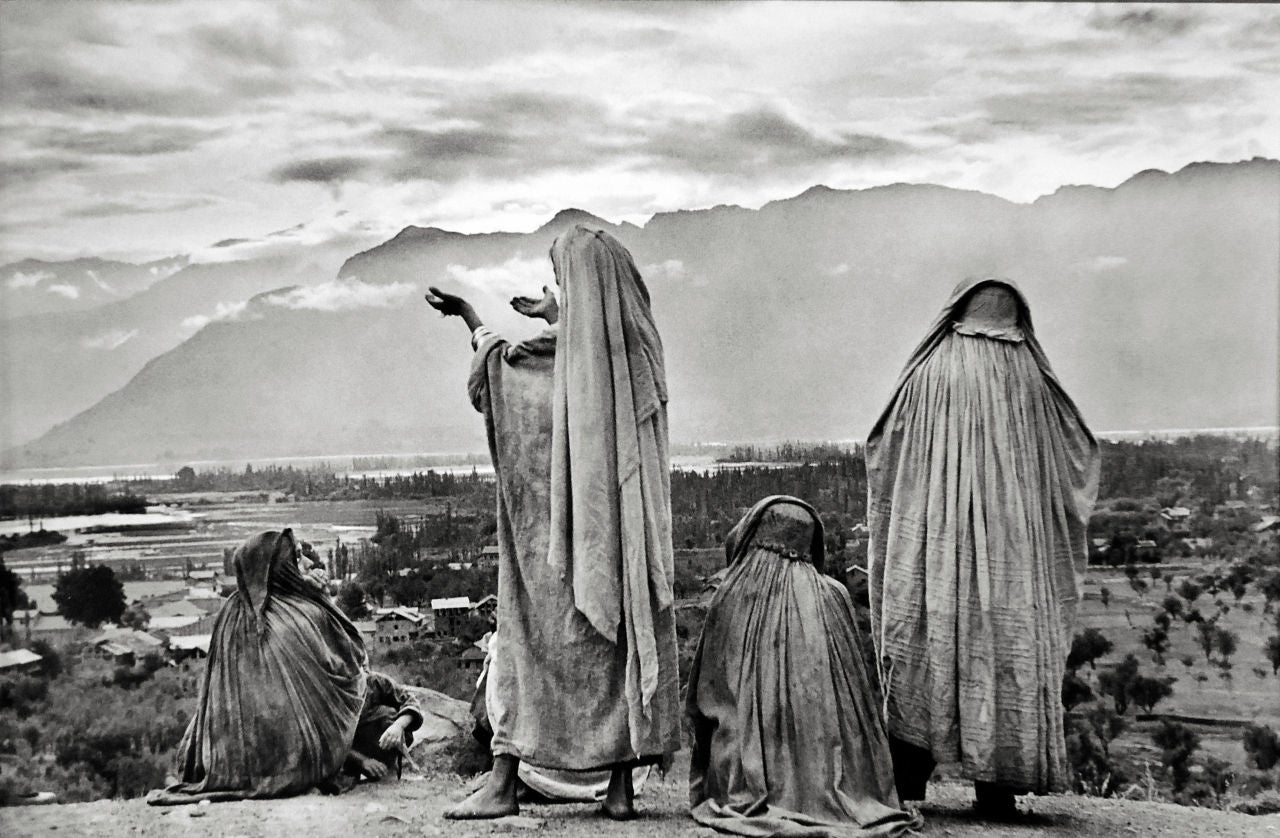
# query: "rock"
[444,719]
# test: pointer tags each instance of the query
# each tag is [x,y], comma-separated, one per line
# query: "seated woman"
[788,738]
[283,686]
[385,732]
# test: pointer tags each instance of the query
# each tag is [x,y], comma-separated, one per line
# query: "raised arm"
[546,308]
[451,305]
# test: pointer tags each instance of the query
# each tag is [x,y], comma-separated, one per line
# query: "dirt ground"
[413,806]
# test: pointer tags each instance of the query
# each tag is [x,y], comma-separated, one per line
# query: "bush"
[1262,744]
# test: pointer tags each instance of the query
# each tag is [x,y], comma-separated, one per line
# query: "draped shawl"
[610,481]
[982,475]
[787,734]
[283,686]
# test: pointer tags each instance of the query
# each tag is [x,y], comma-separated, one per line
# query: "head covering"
[609,386]
[267,564]
[953,309]
[783,524]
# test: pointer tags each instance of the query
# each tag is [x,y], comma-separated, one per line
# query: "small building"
[1146,550]
[397,626]
[471,658]
[19,660]
[189,646]
[126,645]
[1198,543]
[53,629]
[486,608]
[450,612]
[367,629]
[1269,523]
[488,555]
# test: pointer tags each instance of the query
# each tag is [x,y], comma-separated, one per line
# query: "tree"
[1272,651]
[1104,594]
[1138,585]
[1086,647]
[1177,743]
[1206,636]
[1172,606]
[1262,744]
[1116,682]
[1227,643]
[1157,640]
[1189,591]
[1075,691]
[351,601]
[12,598]
[1148,692]
[135,617]
[90,596]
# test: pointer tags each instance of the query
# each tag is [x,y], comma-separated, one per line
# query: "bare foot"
[619,799]
[495,799]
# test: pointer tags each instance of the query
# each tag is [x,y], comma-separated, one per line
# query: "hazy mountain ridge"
[1157,302]
[37,286]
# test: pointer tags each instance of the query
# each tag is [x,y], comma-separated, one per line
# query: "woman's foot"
[495,799]
[995,802]
[620,798]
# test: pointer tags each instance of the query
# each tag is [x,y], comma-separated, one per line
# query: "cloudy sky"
[141,130]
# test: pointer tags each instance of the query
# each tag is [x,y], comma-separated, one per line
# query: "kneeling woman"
[788,738]
[282,690]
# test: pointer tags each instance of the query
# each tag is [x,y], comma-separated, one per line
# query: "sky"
[148,129]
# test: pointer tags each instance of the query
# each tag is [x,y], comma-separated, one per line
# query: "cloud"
[1148,22]
[223,311]
[320,170]
[62,289]
[36,167]
[109,340]
[1107,263]
[142,203]
[670,269]
[140,140]
[839,270]
[28,280]
[341,295]
[518,275]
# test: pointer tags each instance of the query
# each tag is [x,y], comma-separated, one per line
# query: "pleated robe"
[283,686]
[788,738]
[559,685]
[982,475]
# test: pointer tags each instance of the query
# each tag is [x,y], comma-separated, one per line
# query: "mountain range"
[1157,301]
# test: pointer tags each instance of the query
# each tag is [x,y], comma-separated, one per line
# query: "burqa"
[982,475]
[283,686]
[788,739]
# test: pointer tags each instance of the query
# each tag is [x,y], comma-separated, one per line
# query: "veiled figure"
[283,685]
[982,477]
[585,651]
[788,739]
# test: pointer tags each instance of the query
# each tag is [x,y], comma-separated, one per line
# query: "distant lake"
[334,464]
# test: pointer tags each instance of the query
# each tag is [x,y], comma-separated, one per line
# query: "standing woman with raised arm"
[982,476]
[577,425]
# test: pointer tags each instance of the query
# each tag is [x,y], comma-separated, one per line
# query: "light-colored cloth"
[982,475]
[555,784]
[576,699]
[283,686]
[788,739]
[610,468]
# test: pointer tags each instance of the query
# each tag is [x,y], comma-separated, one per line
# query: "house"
[1198,543]
[1146,550]
[189,646]
[183,625]
[471,658]
[397,626]
[53,629]
[126,645]
[1175,514]
[450,612]
[367,629]
[488,555]
[204,598]
[485,608]
[181,608]
[1269,523]
[19,660]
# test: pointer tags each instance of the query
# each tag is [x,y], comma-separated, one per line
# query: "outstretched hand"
[449,305]
[546,308]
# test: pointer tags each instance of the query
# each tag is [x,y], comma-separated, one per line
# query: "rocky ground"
[413,806]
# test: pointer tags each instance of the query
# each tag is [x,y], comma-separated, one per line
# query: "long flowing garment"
[283,686]
[982,476]
[788,738]
[576,420]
